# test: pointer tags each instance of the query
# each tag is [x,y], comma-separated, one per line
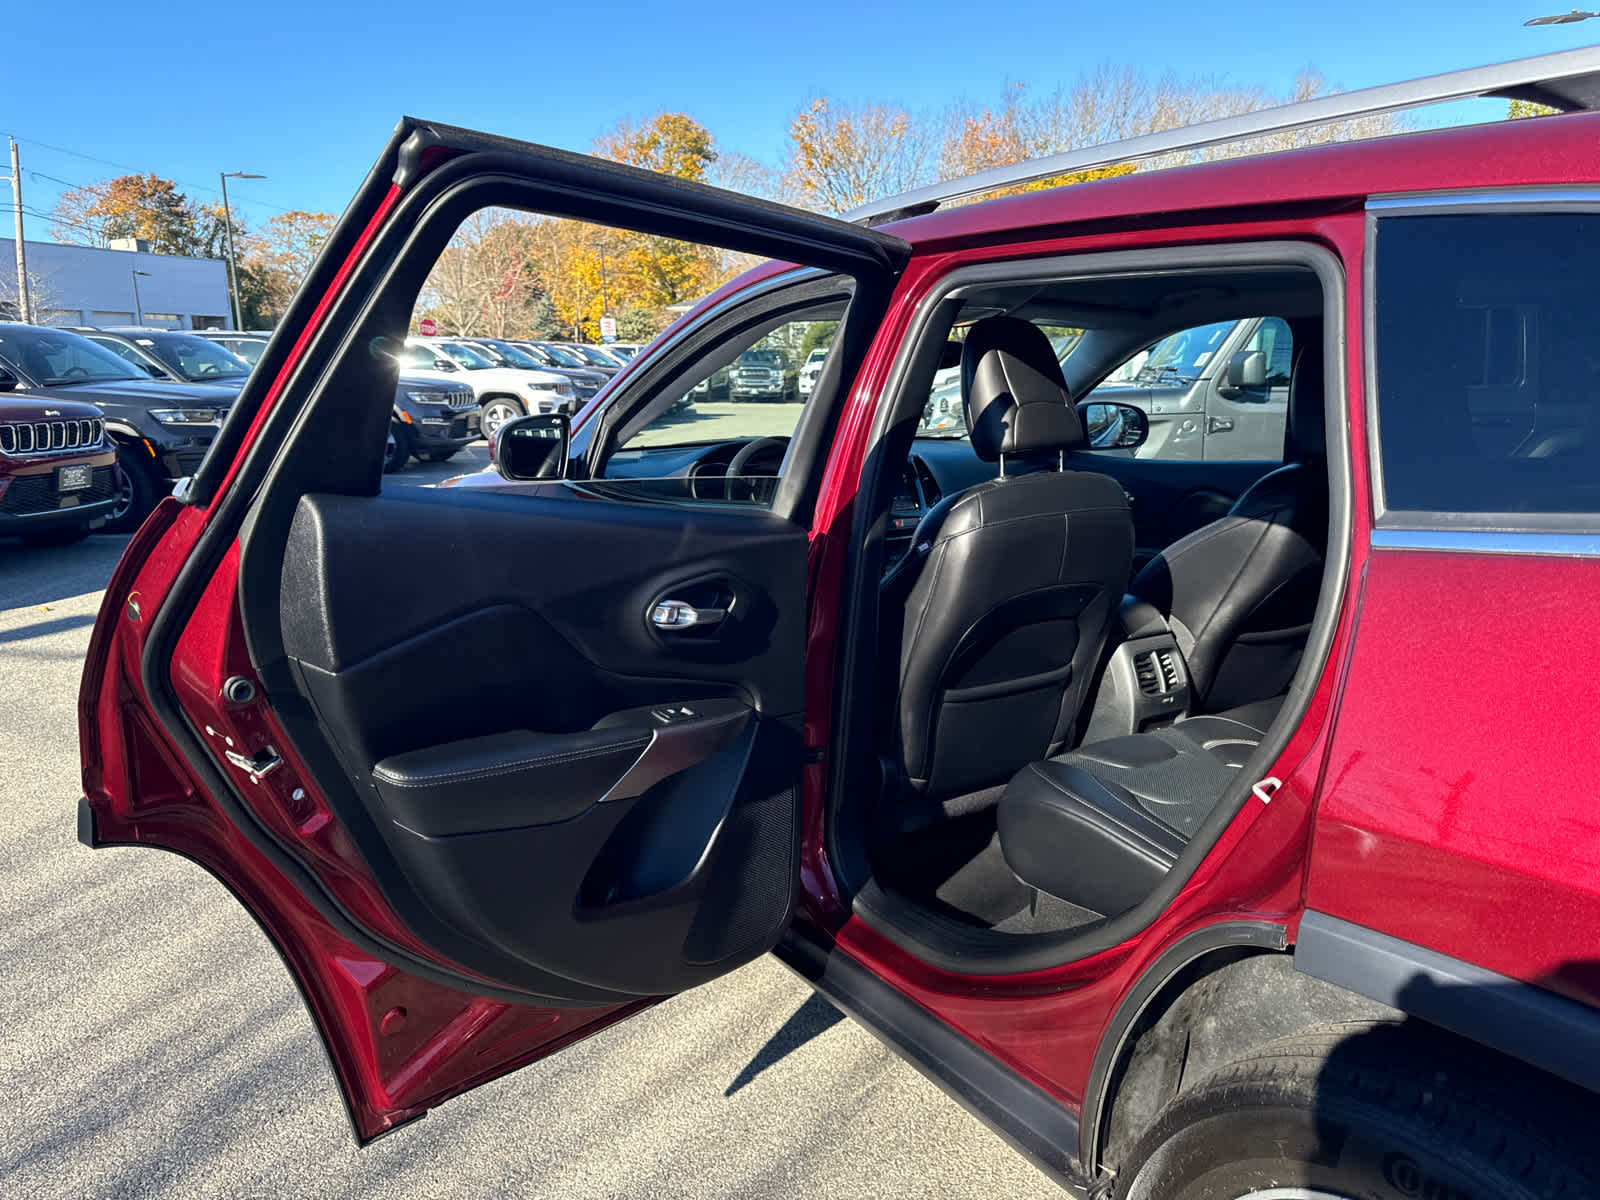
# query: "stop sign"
[426,327]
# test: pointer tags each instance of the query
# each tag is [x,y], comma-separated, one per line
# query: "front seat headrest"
[1306,418]
[1015,397]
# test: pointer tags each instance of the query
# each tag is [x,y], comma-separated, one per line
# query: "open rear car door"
[432,739]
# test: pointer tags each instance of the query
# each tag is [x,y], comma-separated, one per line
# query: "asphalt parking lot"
[152,1043]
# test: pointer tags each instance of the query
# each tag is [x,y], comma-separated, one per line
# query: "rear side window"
[1487,331]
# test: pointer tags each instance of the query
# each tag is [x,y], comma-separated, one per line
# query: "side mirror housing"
[443,364]
[1112,426]
[1246,369]
[532,448]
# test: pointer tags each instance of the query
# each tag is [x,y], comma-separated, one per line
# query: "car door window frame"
[680,363]
[889,442]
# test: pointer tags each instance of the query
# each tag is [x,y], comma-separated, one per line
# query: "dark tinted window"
[1488,362]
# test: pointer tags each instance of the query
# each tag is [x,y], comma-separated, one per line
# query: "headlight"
[564,388]
[426,397]
[188,416]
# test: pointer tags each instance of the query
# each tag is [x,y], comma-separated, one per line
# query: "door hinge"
[1266,789]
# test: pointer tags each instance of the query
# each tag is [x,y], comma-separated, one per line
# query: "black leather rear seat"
[1102,825]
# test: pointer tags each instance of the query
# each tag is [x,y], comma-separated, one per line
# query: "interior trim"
[1027,1117]
[1473,541]
[1520,1019]
[967,951]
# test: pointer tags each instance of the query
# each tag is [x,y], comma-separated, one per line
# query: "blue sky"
[307,94]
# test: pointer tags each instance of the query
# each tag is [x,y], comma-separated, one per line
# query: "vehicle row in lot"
[432,421]
[160,428]
[502,392]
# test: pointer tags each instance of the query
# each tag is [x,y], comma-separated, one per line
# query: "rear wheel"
[499,410]
[1359,1112]
[137,490]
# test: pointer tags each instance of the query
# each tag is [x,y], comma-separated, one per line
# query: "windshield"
[592,356]
[195,358]
[54,357]
[537,353]
[515,356]
[1180,357]
[760,358]
[469,357]
[564,356]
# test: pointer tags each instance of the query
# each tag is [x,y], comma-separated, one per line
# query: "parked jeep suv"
[1212,828]
[175,355]
[57,470]
[432,420]
[162,429]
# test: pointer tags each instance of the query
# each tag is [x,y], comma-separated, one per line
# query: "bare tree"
[841,156]
[487,280]
[44,296]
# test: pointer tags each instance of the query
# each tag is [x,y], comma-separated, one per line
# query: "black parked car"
[568,356]
[162,428]
[432,420]
[170,354]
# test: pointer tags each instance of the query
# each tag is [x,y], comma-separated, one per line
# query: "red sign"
[426,327]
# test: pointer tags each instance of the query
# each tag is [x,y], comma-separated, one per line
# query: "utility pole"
[227,230]
[24,303]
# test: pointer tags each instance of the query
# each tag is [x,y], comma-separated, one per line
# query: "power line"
[106,162]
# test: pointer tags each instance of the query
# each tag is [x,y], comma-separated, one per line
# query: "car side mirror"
[443,364]
[1111,426]
[1246,369]
[529,448]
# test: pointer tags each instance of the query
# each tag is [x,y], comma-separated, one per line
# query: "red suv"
[1210,828]
[57,470]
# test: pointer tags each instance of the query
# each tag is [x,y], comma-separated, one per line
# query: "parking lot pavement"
[151,1043]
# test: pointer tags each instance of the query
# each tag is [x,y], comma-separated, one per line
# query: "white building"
[87,285]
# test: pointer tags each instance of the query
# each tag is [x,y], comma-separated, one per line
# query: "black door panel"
[532,757]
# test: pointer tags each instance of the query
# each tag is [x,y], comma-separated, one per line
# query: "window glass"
[195,358]
[755,393]
[49,357]
[1488,369]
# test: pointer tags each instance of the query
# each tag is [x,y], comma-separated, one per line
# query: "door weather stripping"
[1266,789]
[1568,80]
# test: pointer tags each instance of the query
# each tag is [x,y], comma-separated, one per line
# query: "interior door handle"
[1220,424]
[676,614]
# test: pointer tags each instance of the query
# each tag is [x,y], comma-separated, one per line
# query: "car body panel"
[1353,832]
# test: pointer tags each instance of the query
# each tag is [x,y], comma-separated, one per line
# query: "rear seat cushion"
[1102,825]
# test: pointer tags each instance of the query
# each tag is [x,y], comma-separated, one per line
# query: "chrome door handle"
[676,614]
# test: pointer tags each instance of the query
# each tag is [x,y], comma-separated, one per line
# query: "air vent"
[1148,673]
[1168,663]
[1157,672]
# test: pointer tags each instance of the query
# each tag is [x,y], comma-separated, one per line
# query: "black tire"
[398,451]
[137,492]
[56,537]
[1385,1112]
[441,455]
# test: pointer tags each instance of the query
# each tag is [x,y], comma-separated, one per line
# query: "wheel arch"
[1217,995]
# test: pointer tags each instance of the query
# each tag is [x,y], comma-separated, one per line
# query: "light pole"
[138,309]
[227,216]
[1566,18]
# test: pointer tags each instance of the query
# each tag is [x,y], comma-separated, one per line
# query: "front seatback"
[1014,581]
[1239,594]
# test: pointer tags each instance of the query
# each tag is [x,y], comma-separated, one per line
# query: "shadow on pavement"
[814,1017]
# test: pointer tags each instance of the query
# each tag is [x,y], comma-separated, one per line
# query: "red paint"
[1446,813]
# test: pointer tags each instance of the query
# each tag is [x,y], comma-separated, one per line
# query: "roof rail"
[1567,80]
